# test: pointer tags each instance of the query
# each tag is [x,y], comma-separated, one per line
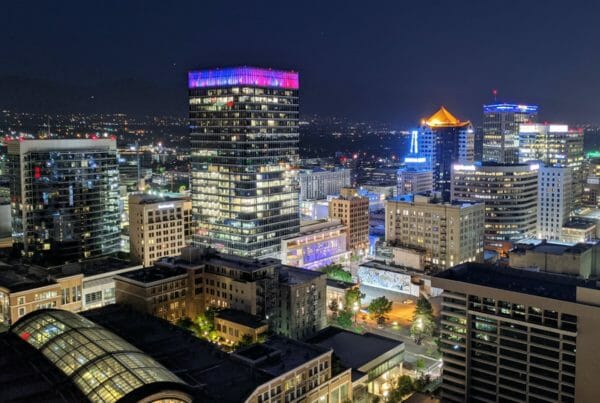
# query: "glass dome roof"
[101,364]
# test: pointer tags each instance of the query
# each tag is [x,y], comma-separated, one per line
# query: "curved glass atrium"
[103,366]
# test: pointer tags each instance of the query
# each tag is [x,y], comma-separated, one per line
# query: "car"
[407,301]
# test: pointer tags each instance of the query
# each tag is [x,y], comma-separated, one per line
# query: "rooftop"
[295,275]
[243,318]
[340,284]
[547,285]
[580,223]
[552,248]
[354,350]
[92,267]
[430,198]
[443,118]
[153,274]
[21,278]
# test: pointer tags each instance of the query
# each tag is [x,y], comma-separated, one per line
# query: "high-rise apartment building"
[158,227]
[319,183]
[353,212]
[509,192]
[244,136]
[591,185]
[446,233]
[411,180]
[510,335]
[555,144]
[443,140]
[555,198]
[65,199]
[501,130]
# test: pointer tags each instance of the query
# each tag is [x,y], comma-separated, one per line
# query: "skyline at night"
[394,63]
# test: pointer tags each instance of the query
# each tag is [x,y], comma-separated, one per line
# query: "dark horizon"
[395,63]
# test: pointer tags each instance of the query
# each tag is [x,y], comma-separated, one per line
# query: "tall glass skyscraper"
[244,135]
[65,199]
[501,130]
[441,141]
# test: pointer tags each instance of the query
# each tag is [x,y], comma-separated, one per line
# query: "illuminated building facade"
[591,186]
[158,227]
[411,180]
[353,212]
[509,192]
[446,233]
[244,136]
[554,201]
[443,140]
[517,335]
[318,244]
[555,144]
[319,183]
[65,199]
[501,130]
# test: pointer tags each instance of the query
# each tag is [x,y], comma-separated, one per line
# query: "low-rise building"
[291,299]
[576,260]
[235,326]
[74,287]
[579,229]
[375,361]
[318,244]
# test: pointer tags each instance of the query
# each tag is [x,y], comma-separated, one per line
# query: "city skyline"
[405,65]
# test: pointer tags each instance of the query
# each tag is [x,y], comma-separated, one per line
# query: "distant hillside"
[131,96]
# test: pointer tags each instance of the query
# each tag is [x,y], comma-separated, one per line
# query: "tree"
[344,319]
[379,307]
[423,320]
[245,341]
[423,308]
[403,387]
[353,296]
[337,272]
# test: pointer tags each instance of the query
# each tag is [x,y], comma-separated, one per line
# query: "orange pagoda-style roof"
[443,118]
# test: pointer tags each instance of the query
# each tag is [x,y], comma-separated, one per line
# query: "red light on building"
[25,336]
[37,172]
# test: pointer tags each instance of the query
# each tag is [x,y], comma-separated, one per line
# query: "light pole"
[355,309]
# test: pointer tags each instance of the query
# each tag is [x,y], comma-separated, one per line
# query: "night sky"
[394,61]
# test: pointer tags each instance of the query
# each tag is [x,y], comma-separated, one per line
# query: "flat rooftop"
[294,275]
[343,285]
[92,267]
[193,256]
[241,317]
[354,350]
[552,248]
[20,278]
[580,223]
[154,273]
[541,284]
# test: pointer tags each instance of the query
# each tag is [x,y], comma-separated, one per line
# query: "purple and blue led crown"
[514,108]
[243,76]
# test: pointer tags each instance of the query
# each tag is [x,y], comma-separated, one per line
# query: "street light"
[355,309]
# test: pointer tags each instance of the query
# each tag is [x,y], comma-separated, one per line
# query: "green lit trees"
[379,308]
[423,321]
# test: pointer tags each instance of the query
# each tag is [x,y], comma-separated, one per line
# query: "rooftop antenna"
[495,93]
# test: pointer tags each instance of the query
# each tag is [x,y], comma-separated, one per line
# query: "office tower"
[478,147]
[501,130]
[353,211]
[244,136]
[319,183]
[518,335]
[158,226]
[65,199]
[411,180]
[445,233]
[555,145]
[509,192]
[555,198]
[443,140]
